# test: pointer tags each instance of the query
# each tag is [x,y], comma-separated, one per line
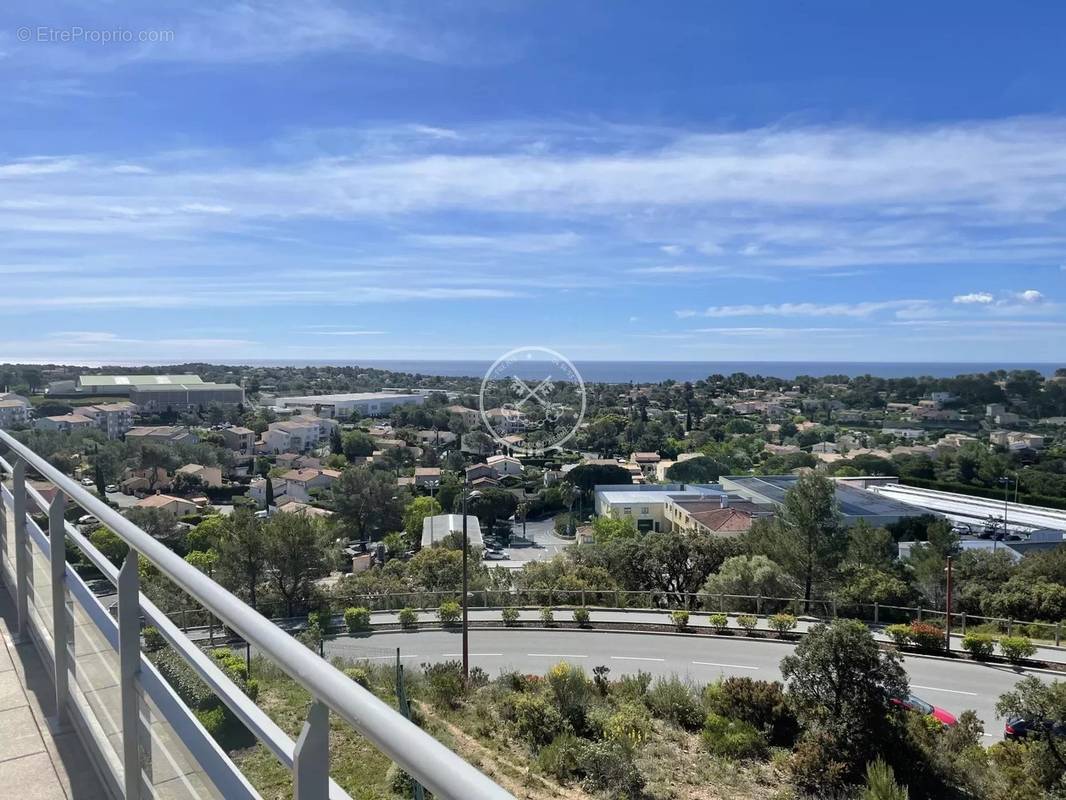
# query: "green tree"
[490,505]
[701,469]
[840,684]
[805,537]
[1040,702]
[750,575]
[295,553]
[242,554]
[108,542]
[367,503]
[336,444]
[357,444]
[415,512]
[587,476]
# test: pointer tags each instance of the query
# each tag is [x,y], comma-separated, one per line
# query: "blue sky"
[615,180]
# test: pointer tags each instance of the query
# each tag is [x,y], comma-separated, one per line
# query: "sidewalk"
[697,620]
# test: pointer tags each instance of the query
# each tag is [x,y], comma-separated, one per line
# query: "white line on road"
[382,658]
[727,666]
[554,655]
[635,658]
[938,689]
[457,655]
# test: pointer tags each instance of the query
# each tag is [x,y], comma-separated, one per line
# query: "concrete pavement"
[955,686]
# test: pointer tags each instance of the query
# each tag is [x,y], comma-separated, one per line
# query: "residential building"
[366,404]
[506,420]
[304,510]
[298,434]
[469,416]
[175,506]
[64,423]
[427,476]
[299,483]
[209,476]
[646,462]
[436,528]
[165,434]
[480,471]
[993,410]
[14,410]
[436,438]
[504,465]
[665,464]
[721,517]
[114,419]
[145,481]
[186,396]
[999,438]
[238,439]
[951,442]
[257,491]
[903,433]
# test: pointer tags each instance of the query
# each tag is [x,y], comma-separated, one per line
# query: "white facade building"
[367,404]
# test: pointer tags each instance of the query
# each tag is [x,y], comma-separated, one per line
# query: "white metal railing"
[126,713]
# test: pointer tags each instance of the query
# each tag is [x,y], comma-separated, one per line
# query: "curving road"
[956,686]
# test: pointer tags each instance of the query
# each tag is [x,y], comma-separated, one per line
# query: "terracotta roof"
[160,501]
[724,519]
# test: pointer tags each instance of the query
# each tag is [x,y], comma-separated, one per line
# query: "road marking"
[938,689]
[554,655]
[457,655]
[635,658]
[727,666]
[382,658]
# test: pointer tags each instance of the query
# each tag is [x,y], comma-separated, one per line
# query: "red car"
[917,704]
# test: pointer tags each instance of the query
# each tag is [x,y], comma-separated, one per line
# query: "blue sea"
[657,371]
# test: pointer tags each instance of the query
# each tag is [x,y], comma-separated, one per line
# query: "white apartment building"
[14,410]
[114,419]
[64,423]
[367,404]
[297,435]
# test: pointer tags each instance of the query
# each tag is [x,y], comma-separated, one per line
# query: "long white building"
[368,404]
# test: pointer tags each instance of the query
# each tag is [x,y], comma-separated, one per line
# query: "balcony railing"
[127,715]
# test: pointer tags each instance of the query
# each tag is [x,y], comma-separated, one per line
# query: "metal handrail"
[431,763]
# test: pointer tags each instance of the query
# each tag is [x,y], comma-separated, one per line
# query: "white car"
[497,555]
[87,481]
[88,519]
[111,488]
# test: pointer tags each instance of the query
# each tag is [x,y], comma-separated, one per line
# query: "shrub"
[478,677]
[444,682]
[321,619]
[399,782]
[732,738]
[449,612]
[900,634]
[608,766]
[214,721]
[1016,648]
[570,688]
[782,623]
[979,645]
[881,783]
[926,637]
[559,758]
[535,719]
[599,679]
[509,615]
[816,770]
[760,703]
[359,675]
[547,616]
[720,622]
[581,616]
[633,687]
[408,618]
[629,725]
[675,701]
[357,619]
[680,619]
[748,623]
[153,639]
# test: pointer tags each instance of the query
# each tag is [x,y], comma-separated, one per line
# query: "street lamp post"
[466,581]
[947,609]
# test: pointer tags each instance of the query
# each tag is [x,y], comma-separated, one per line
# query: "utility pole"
[466,642]
[947,616]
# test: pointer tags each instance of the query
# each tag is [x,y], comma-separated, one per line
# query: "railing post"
[962,619]
[758,604]
[877,613]
[1058,633]
[4,541]
[834,608]
[1010,626]
[22,561]
[310,767]
[919,613]
[57,545]
[129,650]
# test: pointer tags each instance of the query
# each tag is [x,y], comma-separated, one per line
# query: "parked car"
[914,703]
[1018,728]
[961,529]
[111,488]
[87,481]
[88,519]
[494,555]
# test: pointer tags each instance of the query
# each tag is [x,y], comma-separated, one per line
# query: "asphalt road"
[953,686]
[543,544]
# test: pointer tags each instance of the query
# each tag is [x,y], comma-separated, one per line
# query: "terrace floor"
[35,762]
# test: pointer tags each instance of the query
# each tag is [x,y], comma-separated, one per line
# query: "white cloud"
[670,269]
[805,309]
[672,249]
[978,298]
[1030,296]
